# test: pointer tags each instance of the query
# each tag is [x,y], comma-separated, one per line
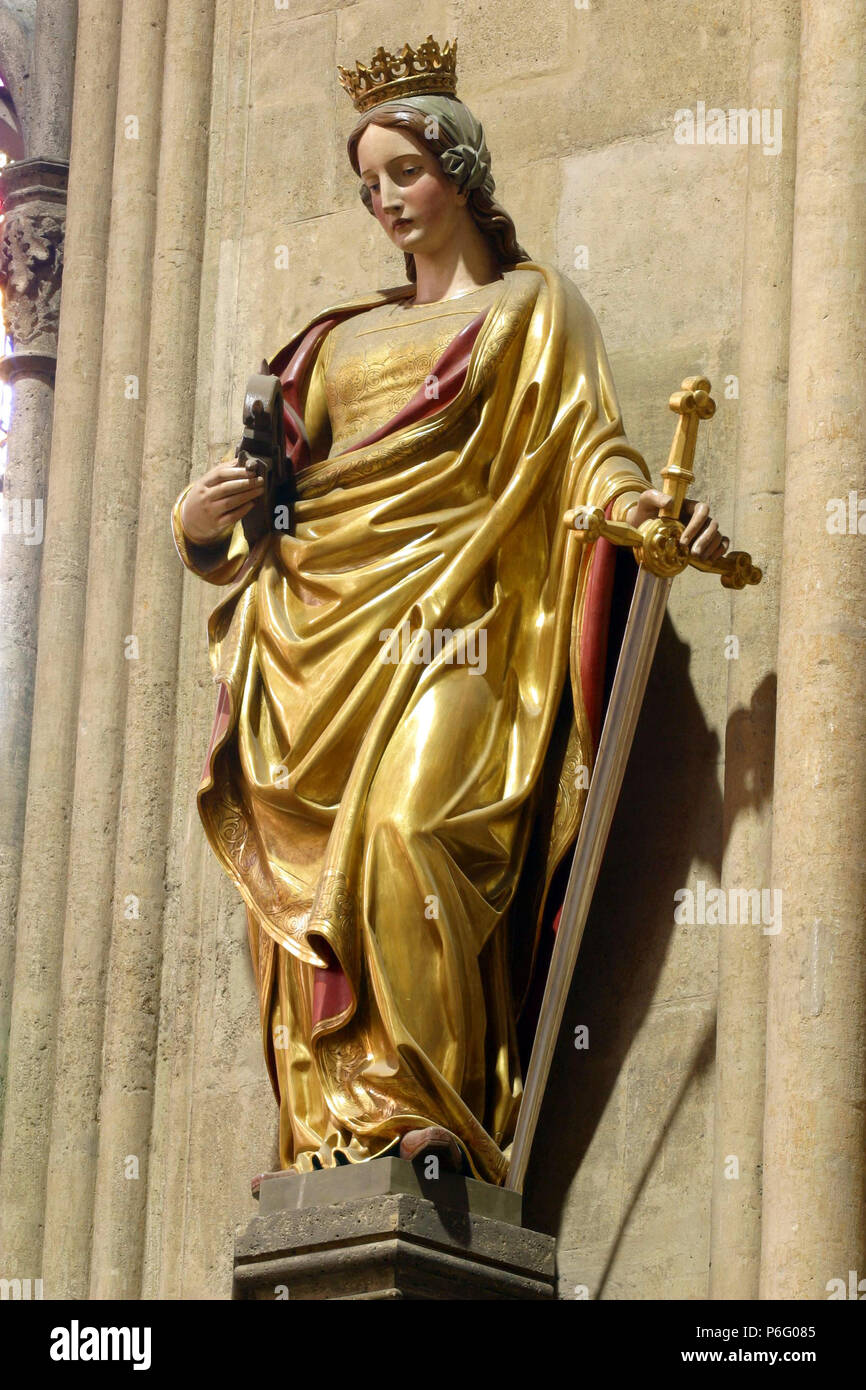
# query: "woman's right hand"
[217,500]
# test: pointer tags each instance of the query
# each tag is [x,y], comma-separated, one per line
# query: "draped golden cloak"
[374,803]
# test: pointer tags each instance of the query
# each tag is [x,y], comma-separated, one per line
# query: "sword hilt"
[656,542]
[692,403]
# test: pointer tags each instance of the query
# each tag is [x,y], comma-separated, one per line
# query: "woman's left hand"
[701,534]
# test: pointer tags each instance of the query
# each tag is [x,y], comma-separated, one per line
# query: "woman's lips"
[401,223]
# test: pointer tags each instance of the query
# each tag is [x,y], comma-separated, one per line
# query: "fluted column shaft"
[139,887]
[756,526]
[42,890]
[815,1125]
[102,705]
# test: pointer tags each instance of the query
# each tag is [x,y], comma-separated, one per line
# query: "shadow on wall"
[670,814]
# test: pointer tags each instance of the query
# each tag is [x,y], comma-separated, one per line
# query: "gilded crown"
[425,70]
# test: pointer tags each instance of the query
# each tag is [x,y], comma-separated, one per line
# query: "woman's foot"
[433,1141]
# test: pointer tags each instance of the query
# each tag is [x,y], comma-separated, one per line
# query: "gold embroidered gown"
[376,814]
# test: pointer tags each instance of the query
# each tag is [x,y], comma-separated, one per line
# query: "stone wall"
[212,210]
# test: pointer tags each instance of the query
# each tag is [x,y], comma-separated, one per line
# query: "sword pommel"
[694,395]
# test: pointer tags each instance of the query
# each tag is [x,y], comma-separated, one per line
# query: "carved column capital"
[33,196]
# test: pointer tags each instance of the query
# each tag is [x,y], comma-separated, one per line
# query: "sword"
[660,559]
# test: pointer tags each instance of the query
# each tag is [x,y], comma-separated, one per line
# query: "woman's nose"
[391,197]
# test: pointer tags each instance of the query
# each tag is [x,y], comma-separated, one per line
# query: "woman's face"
[417,205]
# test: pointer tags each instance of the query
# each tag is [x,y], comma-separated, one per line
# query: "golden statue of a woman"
[410,675]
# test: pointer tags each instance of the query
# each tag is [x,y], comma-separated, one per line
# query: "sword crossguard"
[656,542]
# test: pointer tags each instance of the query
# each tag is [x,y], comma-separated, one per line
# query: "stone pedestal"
[382,1230]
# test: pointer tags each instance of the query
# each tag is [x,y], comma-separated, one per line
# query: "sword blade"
[626,698]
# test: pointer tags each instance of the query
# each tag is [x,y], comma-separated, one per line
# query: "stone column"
[49,109]
[756,526]
[61,620]
[815,1125]
[99,748]
[33,193]
[136,949]
[34,197]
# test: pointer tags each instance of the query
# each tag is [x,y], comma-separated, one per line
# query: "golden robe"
[375,801]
